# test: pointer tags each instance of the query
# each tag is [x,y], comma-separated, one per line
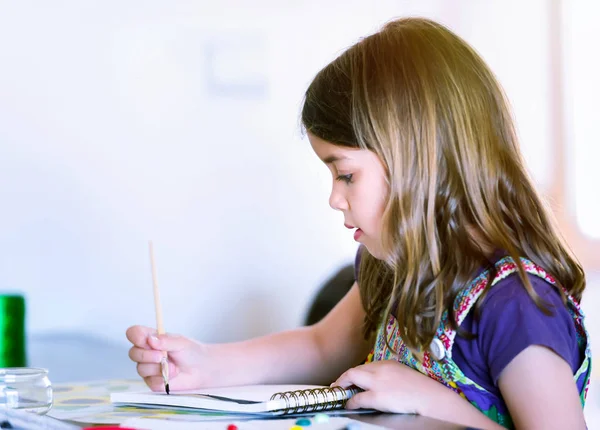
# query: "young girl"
[466,307]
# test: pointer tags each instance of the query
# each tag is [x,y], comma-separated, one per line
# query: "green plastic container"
[12,331]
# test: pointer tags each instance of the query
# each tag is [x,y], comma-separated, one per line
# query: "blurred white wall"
[178,122]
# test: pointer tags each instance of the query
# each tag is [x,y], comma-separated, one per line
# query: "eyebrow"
[333,158]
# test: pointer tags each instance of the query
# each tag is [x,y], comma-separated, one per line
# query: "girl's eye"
[345,178]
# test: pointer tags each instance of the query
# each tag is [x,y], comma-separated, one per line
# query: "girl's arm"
[540,391]
[311,355]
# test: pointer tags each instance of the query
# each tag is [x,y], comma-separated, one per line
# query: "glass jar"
[25,388]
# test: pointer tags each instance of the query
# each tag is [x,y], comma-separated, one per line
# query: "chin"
[375,252]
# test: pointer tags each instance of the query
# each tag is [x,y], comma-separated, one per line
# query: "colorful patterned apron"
[437,361]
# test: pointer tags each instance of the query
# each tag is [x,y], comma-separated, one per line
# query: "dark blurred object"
[330,294]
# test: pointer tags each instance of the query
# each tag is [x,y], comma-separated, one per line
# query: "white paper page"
[258,393]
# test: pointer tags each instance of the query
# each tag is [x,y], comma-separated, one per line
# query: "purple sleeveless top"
[509,322]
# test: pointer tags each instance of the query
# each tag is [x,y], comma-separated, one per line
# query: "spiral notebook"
[252,399]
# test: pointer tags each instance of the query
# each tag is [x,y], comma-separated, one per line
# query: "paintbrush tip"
[167,389]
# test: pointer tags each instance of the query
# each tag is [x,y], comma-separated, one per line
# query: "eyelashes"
[345,178]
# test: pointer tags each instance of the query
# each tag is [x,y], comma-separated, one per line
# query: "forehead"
[330,153]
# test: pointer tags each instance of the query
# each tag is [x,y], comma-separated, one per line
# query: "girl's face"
[360,190]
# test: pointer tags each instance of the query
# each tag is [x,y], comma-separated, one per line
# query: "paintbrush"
[164,364]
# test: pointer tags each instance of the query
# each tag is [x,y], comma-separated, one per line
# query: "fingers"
[363,400]
[155,383]
[138,335]
[362,378]
[141,355]
[356,376]
[168,342]
[150,369]
[146,338]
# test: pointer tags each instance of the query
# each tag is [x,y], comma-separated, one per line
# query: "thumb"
[362,400]
[168,342]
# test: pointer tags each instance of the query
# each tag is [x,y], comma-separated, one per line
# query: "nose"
[337,201]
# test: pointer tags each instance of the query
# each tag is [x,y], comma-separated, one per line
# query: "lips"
[357,234]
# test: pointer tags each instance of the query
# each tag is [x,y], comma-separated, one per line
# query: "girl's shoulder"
[512,288]
[504,284]
[508,303]
[509,320]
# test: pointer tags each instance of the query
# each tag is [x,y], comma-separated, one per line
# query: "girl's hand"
[393,387]
[389,386]
[191,364]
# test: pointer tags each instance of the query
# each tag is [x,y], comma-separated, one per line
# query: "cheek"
[377,204]
[371,208]
[378,199]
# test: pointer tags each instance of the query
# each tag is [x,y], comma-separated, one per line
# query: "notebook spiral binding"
[314,400]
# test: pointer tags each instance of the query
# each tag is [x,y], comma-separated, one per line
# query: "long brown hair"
[424,101]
